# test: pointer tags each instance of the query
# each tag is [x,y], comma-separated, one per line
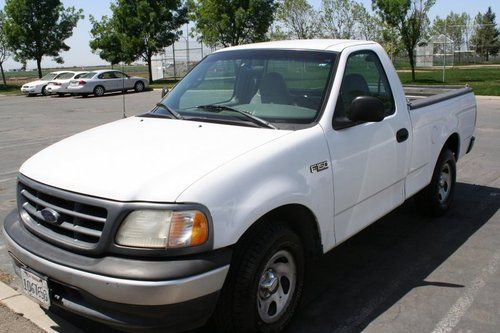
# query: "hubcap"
[99,91]
[444,183]
[276,286]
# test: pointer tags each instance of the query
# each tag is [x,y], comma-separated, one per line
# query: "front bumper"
[28,91]
[109,289]
[52,89]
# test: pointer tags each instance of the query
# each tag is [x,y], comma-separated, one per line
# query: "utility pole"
[444,56]
[173,57]
[187,46]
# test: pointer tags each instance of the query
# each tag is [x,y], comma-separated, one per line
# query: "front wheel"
[437,197]
[265,282]
[139,86]
[44,91]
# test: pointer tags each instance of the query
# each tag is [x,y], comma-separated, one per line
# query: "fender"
[278,173]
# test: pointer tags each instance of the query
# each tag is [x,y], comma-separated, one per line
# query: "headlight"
[163,229]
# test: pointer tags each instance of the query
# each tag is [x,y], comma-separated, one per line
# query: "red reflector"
[82,82]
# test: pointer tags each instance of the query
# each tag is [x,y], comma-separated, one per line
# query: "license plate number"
[35,287]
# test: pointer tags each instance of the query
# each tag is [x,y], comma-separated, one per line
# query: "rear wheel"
[139,86]
[44,91]
[60,94]
[99,91]
[265,282]
[437,197]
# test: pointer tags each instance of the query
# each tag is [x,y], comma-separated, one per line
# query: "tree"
[409,17]
[229,22]
[137,30]
[338,18]
[454,26]
[38,28]
[486,35]
[4,50]
[299,17]
[368,27]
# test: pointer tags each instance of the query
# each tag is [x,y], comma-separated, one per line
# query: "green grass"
[10,89]
[484,81]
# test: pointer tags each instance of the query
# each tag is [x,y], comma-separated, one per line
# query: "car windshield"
[65,76]
[89,75]
[49,77]
[278,86]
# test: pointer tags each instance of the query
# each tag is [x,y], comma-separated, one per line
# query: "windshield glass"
[88,75]
[65,76]
[279,86]
[48,77]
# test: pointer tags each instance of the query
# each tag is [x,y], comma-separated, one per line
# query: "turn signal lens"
[188,228]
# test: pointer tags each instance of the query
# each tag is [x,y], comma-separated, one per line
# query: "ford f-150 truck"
[211,205]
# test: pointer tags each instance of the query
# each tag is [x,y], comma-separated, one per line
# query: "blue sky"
[80,53]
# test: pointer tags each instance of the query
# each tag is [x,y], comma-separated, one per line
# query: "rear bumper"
[180,303]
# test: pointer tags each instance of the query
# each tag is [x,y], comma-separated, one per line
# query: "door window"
[364,76]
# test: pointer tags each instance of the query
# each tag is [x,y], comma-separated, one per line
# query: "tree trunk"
[3,74]
[412,64]
[39,66]
[149,68]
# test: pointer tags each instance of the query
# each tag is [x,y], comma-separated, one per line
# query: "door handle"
[402,135]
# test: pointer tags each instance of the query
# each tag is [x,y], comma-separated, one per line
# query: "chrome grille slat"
[65,225]
[80,221]
[41,202]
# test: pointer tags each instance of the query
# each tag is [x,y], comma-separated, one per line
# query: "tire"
[60,94]
[139,86]
[437,197]
[267,269]
[85,95]
[99,91]
[44,91]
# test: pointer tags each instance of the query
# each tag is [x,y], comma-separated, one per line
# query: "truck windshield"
[278,86]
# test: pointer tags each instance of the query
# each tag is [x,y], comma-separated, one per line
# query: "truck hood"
[142,159]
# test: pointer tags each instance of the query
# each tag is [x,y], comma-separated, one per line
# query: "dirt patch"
[6,277]
[409,71]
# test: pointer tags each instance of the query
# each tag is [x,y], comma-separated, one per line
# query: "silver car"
[98,83]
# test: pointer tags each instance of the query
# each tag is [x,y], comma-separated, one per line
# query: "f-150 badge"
[319,167]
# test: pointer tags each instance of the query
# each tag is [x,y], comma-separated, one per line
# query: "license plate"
[35,287]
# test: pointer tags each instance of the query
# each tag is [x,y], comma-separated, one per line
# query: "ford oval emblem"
[50,215]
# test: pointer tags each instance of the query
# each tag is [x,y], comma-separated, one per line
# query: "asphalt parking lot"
[405,273]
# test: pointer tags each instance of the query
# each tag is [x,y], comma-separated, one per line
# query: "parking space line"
[461,306]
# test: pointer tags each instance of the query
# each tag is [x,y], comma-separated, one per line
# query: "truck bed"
[420,96]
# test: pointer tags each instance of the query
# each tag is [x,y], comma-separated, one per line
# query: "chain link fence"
[176,60]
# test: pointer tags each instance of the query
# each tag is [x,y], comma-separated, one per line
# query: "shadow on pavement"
[360,279]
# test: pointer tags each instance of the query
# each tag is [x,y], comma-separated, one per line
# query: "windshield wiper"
[174,113]
[254,119]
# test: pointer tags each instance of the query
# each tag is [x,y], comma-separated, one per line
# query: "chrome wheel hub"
[276,286]
[444,183]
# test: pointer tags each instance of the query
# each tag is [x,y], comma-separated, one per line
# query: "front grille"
[79,224]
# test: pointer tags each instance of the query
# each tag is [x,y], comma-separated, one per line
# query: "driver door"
[368,162]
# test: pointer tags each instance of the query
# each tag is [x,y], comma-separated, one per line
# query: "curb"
[30,310]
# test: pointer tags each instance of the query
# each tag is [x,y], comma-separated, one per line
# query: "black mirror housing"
[367,109]
[164,92]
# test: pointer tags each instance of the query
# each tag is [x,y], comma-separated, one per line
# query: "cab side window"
[364,76]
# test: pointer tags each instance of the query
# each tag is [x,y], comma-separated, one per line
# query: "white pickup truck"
[212,204]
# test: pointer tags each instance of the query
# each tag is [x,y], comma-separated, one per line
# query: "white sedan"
[60,84]
[39,86]
[98,83]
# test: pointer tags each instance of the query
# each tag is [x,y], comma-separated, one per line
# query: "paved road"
[405,273]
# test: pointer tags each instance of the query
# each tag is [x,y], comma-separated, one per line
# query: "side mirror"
[367,108]
[164,92]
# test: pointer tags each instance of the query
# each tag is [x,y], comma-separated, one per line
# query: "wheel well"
[99,85]
[301,220]
[453,144]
